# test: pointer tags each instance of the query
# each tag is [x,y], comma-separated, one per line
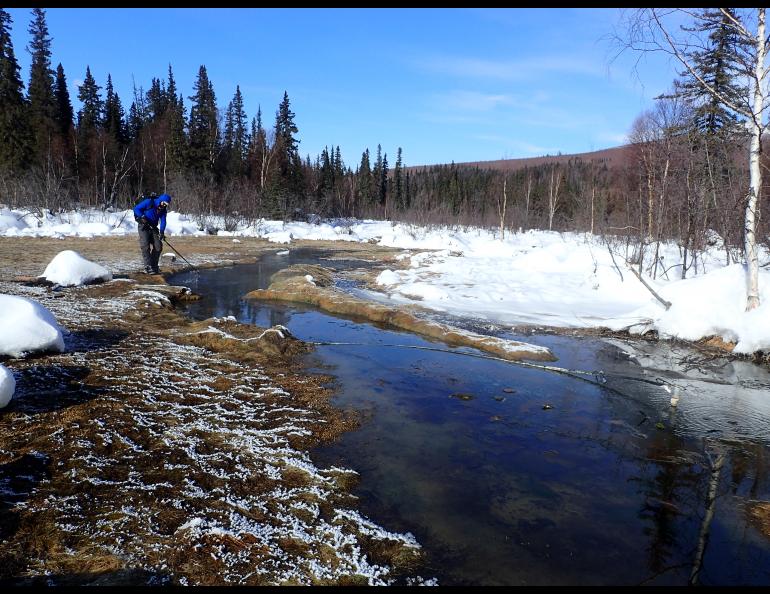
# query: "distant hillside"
[612,157]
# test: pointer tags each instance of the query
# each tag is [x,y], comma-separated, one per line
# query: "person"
[150,213]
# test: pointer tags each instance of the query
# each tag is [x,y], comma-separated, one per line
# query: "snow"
[69,269]
[710,305]
[7,386]
[85,223]
[27,327]
[537,278]
[388,277]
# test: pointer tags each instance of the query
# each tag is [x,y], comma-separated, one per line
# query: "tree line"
[683,177]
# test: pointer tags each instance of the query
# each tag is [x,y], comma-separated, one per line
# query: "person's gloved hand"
[162,236]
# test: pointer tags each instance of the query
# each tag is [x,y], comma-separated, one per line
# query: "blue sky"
[443,84]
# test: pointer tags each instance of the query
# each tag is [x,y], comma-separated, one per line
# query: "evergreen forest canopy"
[682,177]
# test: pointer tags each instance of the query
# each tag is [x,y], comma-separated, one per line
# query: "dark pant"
[151,245]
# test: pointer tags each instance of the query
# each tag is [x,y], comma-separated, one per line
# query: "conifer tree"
[157,100]
[339,166]
[377,175]
[41,88]
[398,182]
[15,142]
[89,124]
[236,140]
[717,65]
[177,140]
[288,160]
[383,181]
[90,114]
[114,116]
[204,144]
[364,180]
[63,113]
[258,151]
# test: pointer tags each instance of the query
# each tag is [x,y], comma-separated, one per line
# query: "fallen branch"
[615,263]
[666,304]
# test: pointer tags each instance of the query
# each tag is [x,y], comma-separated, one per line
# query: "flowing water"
[516,476]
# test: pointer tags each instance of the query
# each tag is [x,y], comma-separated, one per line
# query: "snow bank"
[10,220]
[537,277]
[69,269]
[27,327]
[709,305]
[7,386]
[85,223]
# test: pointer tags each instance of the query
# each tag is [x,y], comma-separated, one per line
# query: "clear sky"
[443,84]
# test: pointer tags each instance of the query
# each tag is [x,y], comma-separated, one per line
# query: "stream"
[509,475]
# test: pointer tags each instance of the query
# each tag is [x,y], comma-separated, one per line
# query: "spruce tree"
[89,124]
[258,151]
[114,116]
[203,127]
[383,181]
[157,100]
[236,138]
[90,114]
[339,166]
[134,122]
[177,140]
[377,175]
[63,113]
[717,65]
[364,180]
[42,104]
[398,182]
[326,173]
[288,160]
[15,141]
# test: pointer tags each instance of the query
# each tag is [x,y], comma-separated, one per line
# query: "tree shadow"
[47,388]
[17,480]
[97,339]
[119,577]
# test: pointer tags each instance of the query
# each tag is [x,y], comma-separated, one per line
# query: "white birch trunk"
[755,172]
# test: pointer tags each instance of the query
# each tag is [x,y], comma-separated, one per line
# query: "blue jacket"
[149,208]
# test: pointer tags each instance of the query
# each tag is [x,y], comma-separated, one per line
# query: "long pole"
[178,254]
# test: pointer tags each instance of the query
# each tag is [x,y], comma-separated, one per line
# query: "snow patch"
[27,327]
[388,277]
[68,268]
[7,386]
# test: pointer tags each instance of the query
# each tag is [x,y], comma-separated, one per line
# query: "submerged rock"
[462,396]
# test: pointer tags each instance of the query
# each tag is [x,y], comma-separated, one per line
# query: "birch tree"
[662,30]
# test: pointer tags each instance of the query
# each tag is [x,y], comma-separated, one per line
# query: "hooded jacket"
[149,208]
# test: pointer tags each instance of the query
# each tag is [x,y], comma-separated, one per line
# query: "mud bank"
[313,285]
[158,450]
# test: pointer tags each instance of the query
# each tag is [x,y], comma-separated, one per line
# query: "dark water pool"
[515,476]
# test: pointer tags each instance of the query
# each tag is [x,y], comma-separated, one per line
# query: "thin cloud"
[473,101]
[522,69]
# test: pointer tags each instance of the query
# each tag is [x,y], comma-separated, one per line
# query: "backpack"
[142,198]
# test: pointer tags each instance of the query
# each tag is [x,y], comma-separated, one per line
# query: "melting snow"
[7,386]
[69,269]
[27,327]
